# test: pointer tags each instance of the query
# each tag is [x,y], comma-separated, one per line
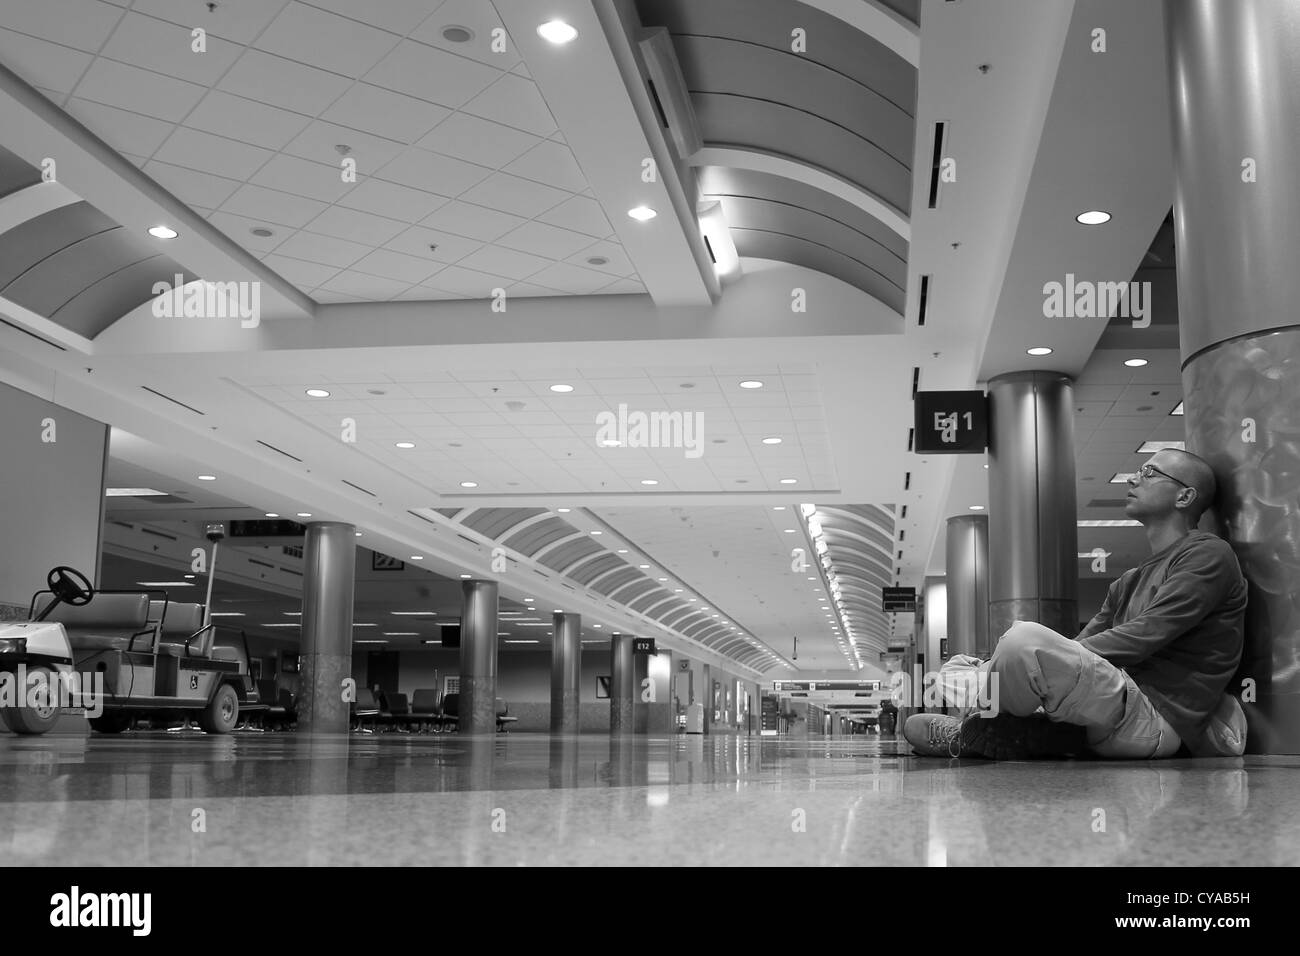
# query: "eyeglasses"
[1147,472]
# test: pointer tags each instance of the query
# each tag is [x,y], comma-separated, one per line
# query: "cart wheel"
[110,723]
[41,693]
[222,712]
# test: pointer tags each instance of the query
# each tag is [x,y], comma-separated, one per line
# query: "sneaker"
[1008,737]
[933,735]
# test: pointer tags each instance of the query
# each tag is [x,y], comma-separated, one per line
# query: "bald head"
[1195,472]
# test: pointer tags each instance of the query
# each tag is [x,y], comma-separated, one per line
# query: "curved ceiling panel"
[560,558]
[532,539]
[616,580]
[769,23]
[788,131]
[593,569]
[785,247]
[16,173]
[718,65]
[494,522]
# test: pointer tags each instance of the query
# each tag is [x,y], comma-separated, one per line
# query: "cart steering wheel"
[70,586]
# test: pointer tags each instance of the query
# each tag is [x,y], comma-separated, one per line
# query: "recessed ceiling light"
[465,575]
[622,550]
[663,579]
[561,388]
[789,481]
[358,534]
[557,32]
[771,441]
[262,232]
[469,484]
[317,393]
[611,443]
[598,625]
[1039,350]
[406,444]
[457,34]
[1094,217]
[789,530]
[163,232]
[751,384]
[598,532]
[778,507]
[976,507]
[272,514]
[597,261]
[304,514]
[648,481]
[677,590]
[644,567]
[564,511]
[207,477]
[1135,362]
[642,213]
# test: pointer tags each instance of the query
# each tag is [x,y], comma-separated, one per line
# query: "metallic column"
[329,564]
[478,657]
[621,684]
[967,562]
[566,672]
[1233,71]
[1032,511]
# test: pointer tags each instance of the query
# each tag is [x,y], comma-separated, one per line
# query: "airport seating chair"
[424,709]
[397,712]
[504,720]
[450,712]
[365,707]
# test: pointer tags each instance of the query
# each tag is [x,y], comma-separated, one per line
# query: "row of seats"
[424,712]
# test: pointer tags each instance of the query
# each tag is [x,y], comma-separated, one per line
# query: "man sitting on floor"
[1147,676]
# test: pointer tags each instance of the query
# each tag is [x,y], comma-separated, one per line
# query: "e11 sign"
[953,423]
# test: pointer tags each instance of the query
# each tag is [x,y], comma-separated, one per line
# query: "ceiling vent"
[672,99]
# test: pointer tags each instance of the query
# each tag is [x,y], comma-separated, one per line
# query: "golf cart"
[131,653]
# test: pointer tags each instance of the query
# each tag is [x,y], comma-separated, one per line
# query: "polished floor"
[522,800]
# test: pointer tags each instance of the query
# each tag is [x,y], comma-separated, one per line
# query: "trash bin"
[695,719]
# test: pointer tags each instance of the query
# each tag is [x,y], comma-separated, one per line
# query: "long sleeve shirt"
[1175,624]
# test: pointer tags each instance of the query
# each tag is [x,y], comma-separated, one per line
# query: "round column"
[478,657]
[329,579]
[621,684]
[1032,511]
[1233,71]
[966,555]
[566,671]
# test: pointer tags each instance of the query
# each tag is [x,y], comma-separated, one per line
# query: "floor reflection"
[520,799]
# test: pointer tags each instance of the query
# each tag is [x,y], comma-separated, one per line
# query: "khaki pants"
[1035,667]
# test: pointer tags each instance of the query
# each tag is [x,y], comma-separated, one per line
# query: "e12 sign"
[953,423]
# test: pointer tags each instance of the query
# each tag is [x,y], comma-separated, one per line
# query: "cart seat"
[179,624]
[224,652]
[108,622]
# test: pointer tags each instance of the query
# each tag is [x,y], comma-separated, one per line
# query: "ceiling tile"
[432,173]
[416,241]
[167,48]
[239,228]
[283,83]
[212,154]
[83,24]
[391,200]
[302,178]
[569,279]
[480,19]
[477,140]
[125,131]
[273,206]
[191,187]
[316,37]
[551,163]
[358,226]
[238,20]
[617,266]
[395,265]
[396,16]
[514,195]
[325,250]
[514,101]
[476,222]
[431,74]
[581,215]
[543,240]
[391,115]
[246,120]
[524,290]
[305,275]
[327,297]
[624,287]
[367,287]
[504,262]
[140,91]
[319,142]
[47,65]
[474,285]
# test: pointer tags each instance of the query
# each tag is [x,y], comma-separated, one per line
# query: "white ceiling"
[454,146]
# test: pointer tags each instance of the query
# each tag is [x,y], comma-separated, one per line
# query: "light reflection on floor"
[523,799]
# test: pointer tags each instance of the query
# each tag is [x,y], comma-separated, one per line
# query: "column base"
[321,707]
